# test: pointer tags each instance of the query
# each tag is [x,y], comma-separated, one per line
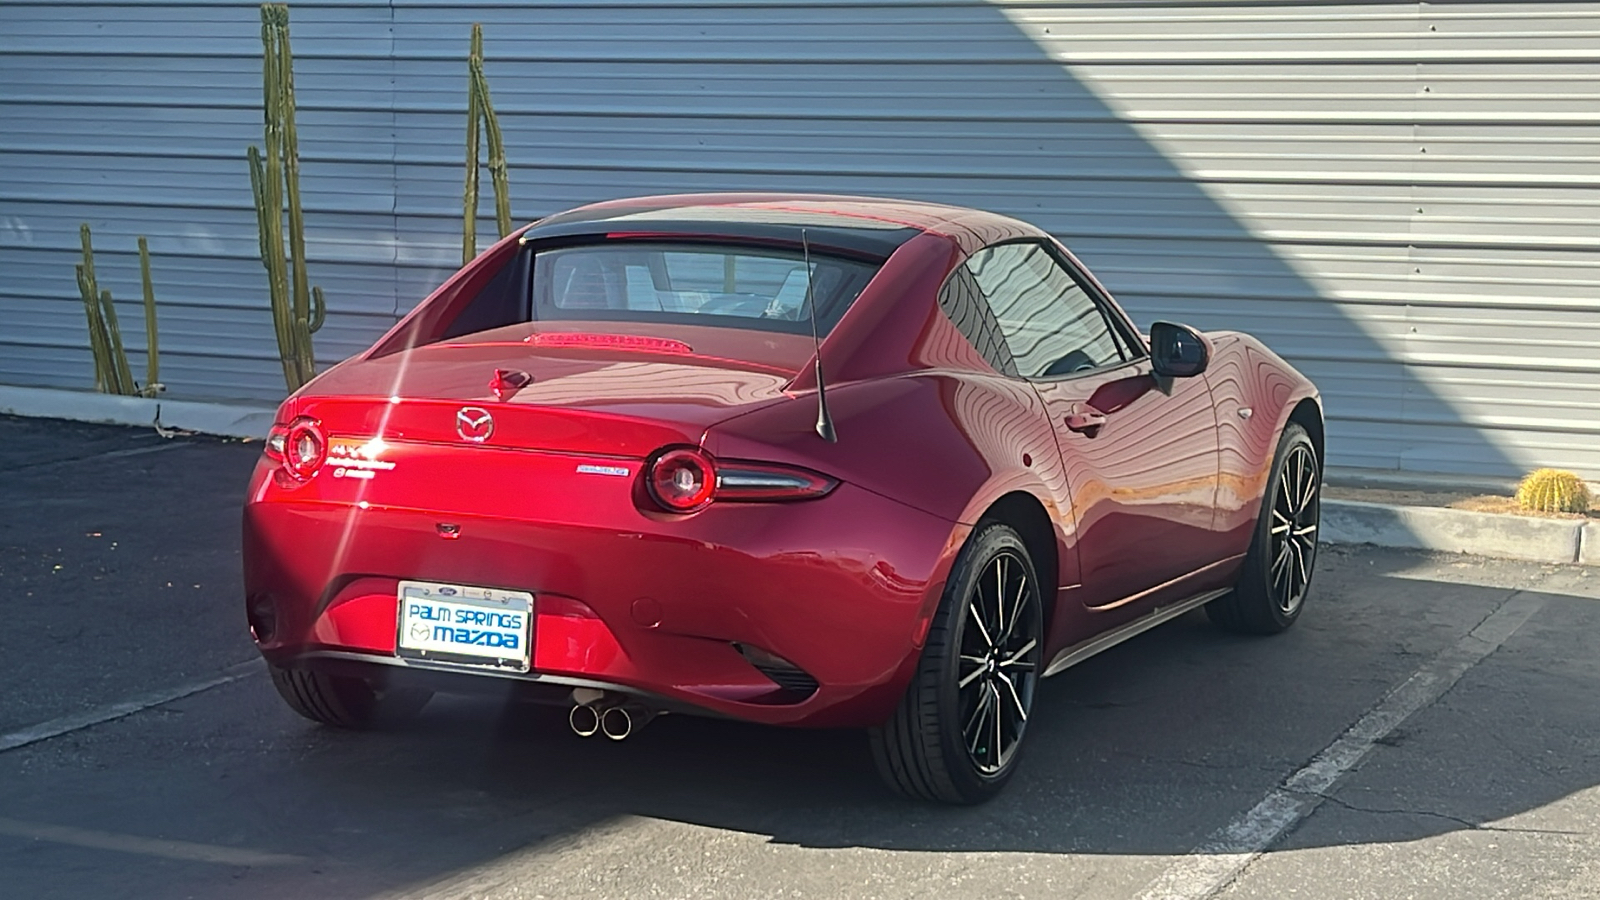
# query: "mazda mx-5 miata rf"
[792,459]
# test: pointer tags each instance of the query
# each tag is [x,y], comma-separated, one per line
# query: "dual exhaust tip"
[616,722]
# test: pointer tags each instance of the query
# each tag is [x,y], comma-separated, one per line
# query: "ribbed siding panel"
[1417,186]
[1401,198]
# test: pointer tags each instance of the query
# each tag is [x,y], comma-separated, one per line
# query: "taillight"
[682,480]
[299,447]
[739,480]
[687,479]
[275,439]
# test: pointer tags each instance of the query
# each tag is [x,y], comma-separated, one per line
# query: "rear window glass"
[739,287]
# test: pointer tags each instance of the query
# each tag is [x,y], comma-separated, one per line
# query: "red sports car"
[799,460]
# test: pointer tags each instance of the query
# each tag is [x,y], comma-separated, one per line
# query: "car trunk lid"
[596,390]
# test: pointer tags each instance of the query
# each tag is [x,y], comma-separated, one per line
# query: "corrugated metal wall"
[1403,198]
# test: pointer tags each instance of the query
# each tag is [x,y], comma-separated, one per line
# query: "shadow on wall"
[940,101]
[953,104]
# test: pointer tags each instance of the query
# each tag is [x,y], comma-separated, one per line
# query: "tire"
[1277,571]
[937,745]
[345,702]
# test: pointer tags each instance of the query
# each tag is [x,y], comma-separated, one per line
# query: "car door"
[1141,454]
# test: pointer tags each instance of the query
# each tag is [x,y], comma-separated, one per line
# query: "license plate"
[467,625]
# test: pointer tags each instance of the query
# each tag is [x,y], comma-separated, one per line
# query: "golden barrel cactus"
[1552,490]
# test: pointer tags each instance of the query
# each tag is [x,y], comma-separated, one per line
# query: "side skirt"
[1077,653]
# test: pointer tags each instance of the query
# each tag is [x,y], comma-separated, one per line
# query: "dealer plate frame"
[460,595]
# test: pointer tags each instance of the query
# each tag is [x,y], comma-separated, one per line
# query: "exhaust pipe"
[599,712]
[584,720]
[618,722]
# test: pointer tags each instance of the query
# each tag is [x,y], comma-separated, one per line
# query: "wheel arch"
[1308,415]
[1027,514]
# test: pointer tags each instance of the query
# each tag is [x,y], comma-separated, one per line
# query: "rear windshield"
[695,284]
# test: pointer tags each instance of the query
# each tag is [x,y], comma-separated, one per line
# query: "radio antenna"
[824,421]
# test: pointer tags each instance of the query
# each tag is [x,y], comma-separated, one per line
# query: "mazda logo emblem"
[474,424]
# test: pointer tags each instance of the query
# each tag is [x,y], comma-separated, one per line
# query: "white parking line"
[129,843]
[1211,866]
[77,721]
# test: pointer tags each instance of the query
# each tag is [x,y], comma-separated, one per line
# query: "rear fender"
[939,442]
[948,444]
[1052,499]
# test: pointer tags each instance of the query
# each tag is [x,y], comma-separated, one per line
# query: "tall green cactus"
[481,108]
[105,370]
[152,346]
[498,175]
[112,374]
[298,309]
[469,194]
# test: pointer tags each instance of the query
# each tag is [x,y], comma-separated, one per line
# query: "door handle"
[1085,420]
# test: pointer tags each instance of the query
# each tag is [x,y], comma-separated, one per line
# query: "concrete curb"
[1565,541]
[227,420]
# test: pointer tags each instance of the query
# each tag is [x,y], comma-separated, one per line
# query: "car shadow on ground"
[1144,750]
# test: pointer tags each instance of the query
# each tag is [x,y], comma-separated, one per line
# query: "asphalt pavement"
[1429,729]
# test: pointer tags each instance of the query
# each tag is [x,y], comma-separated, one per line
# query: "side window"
[1051,324]
[964,304]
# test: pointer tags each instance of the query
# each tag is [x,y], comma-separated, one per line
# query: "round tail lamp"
[299,447]
[682,480]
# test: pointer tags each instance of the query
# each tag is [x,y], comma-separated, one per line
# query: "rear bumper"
[523,687]
[842,587]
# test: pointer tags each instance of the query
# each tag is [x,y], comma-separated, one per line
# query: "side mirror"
[1178,351]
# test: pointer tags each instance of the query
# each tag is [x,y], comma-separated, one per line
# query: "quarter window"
[1051,324]
[964,304]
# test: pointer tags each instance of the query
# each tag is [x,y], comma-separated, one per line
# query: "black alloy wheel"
[957,732]
[1277,571]
[996,667]
[1292,531]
